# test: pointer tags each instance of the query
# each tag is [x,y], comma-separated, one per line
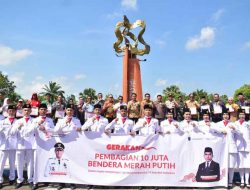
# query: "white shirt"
[243,140]
[147,129]
[63,126]
[168,126]
[120,127]
[96,125]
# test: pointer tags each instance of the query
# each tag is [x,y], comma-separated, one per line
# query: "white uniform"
[208,128]
[47,123]
[26,144]
[189,126]
[8,145]
[150,128]
[243,144]
[96,125]
[120,127]
[168,126]
[63,126]
[1,117]
[57,167]
[117,108]
[231,137]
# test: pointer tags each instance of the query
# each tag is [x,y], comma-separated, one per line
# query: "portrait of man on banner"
[208,171]
[57,165]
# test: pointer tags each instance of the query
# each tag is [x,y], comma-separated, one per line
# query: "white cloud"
[217,15]
[160,82]
[114,15]
[160,43]
[79,76]
[204,40]
[129,4]
[9,55]
[39,78]
[247,45]
[17,78]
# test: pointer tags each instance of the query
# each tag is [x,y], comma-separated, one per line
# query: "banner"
[155,160]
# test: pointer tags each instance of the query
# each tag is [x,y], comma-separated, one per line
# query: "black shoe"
[18,185]
[72,186]
[60,186]
[1,185]
[11,182]
[30,184]
[34,187]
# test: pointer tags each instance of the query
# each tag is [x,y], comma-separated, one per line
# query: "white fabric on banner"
[155,160]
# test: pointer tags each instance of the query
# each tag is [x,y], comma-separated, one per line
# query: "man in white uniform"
[8,143]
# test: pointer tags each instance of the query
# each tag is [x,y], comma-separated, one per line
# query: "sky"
[194,44]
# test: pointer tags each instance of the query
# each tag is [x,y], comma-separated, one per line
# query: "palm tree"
[88,92]
[199,93]
[53,89]
[174,90]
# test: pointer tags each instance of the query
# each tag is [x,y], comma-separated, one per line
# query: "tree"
[174,90]
[7,88]
[88,92]
[53,89]
[245,90]
[199,93]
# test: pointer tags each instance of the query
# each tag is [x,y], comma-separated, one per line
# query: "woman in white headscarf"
[4,108]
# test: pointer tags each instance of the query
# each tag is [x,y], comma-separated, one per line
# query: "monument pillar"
[131,76]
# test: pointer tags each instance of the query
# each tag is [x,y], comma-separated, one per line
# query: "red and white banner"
[156,160]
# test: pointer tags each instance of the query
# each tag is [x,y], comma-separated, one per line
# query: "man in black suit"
[209,170]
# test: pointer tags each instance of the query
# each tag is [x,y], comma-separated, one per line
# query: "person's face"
[97,111]
[26,112]
[42,111]
[191,97]
[69,112]
[120,99]
[230,101]
[170,98]
[187,116]
[20,103]
[216,98]
[242,116]
[59,98]
[47,97]
[100,96]
[133,97]
[110,99]
[241,97]
[81,101]
[71,102]
[180,99]
[59,153]
[159,98]
[148,112]
[147,97]
[1,97]
[225,116]
[11,112]
[170,116]
[206,117]
[203,100]
[8,101]
[89,99]
[208,156]
[124,113]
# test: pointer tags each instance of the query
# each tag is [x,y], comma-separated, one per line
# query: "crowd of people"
[18,124]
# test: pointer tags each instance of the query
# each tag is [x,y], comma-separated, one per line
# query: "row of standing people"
[18,136]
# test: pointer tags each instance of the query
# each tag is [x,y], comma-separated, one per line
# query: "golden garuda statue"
[122,31]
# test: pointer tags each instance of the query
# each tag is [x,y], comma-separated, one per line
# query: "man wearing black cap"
[231,131]
[208,171]
[147,125]
[8,144]
[243,148]
[170,125]
[187,125]
[58,166]
[68,123]
[206,126]
[42,122]
[96,123]
[121,125]
[25,146]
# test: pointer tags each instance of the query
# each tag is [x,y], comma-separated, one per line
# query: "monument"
[131,65]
